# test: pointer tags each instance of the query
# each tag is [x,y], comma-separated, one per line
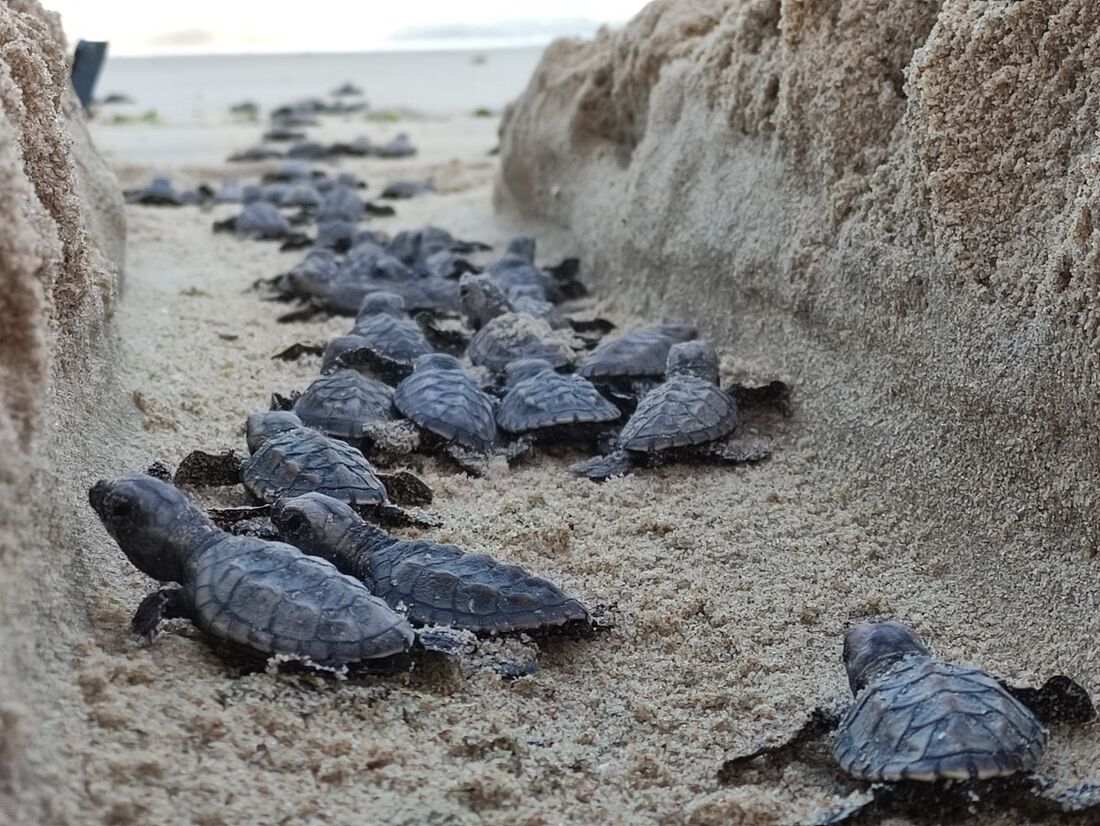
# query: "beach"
[728,589]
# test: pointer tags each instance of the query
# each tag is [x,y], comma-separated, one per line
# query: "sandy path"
[732,588]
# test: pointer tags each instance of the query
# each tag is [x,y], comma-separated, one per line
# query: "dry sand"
[731,587]
[731,590]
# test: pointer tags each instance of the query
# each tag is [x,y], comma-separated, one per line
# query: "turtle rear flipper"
[166,603]
[1075,799]
[1058,700]
[602,468]
[821,721]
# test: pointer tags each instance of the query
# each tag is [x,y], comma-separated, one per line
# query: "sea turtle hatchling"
[345,405]
[159,192]
[553,408]
[455,415]
[258,219]
[433,583]
[388,341]
[638,355]
[515,336]
[687,416]
[289,459]
[265,597]
[936,735]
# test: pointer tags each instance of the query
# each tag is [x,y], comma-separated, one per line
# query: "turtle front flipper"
[821,721]
[1049,799]
[602,468]
[1058,700]
[201,469]
[166,603]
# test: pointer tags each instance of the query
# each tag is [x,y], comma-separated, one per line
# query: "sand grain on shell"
[730,589]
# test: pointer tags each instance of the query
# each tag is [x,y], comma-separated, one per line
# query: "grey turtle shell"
[159,192]
[927,719]
[437,295]
[271,597]
[514,336]
[637,354]
[302,460]
[444,585]
[550,399]
[681,412]
[261,220]
[344,404]
[301,193]
[398,339]
[449,404]
[341,204]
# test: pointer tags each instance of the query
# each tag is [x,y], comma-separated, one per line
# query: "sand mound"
[892,201]
[61,245]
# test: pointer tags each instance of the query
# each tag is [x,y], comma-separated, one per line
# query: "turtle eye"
[122,509]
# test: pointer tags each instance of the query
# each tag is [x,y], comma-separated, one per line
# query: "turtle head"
[693,358]
[524,369]
[263,426]
[437,361]
[318,524]
[154,524]
[389,304]
[521,246]
[481,297]
[869,647]
[340,353]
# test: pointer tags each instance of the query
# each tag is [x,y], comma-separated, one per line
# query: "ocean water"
[201,89]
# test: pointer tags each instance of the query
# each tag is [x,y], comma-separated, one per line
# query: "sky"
[150,27]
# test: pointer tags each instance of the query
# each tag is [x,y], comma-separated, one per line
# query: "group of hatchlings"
[324,587]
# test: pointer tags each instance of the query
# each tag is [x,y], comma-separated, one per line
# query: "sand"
[730,588]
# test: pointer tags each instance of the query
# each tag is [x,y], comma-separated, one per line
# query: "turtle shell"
[301,193]
[444,585]
[398,339]
[449,404]
[550,399]
[514,336]
[341,204]
[344,403]
[262,220]
[437,295]
[303,461]
[681,412]
[640,353]
[929,720]
[274,599]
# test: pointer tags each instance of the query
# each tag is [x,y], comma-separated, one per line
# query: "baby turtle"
[918,721]
[641,354]
[289,459]
[400,146]
[300,194]
[684,417]
[159,192]
[267,597]
[391,341]
[341,204]
[258,219]
[399,190]
[451,409]
[345,405]
[433,583]
[515,336]
[555,409]
[483,299]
